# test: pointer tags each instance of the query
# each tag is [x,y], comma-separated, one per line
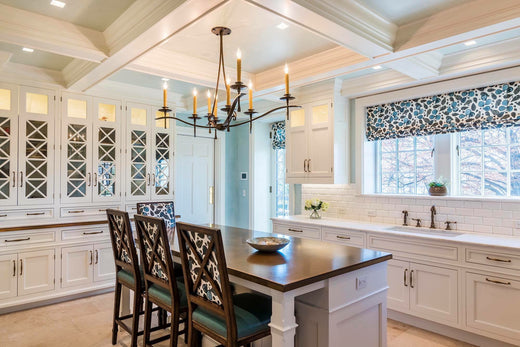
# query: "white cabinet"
[492,305]
[149,154]
[26,146]
[90,150]
[82,265]
[310,144]
[26,273]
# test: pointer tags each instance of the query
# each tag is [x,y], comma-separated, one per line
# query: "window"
[281,188]
[405,165]
[489,162]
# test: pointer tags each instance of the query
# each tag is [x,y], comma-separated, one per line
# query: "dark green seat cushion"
[160,294]
[252,313]
[128,278]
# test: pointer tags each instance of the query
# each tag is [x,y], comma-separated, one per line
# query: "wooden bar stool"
[162,287]
[232,320]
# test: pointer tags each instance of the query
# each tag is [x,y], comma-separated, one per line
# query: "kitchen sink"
[426,231]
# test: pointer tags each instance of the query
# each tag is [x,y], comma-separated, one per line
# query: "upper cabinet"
[26,146]
[149,154]
[90,150]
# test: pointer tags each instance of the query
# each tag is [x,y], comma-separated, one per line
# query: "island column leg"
[283,322]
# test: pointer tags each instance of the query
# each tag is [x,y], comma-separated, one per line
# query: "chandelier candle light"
[232,108]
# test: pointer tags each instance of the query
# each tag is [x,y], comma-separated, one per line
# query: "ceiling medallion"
[232,108]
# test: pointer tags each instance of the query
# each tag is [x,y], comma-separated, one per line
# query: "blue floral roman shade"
[278,135]
[480,108]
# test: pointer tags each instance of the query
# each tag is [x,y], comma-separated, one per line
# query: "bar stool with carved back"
[232,320]
[164,210]
[162,287]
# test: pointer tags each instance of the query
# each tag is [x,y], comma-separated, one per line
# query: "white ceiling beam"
[157,22]
[29,74]
[165,63]
[458,24]
[48,34]
[419,67]
[346,23]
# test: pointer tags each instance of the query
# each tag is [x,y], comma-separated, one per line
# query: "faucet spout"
[433,212]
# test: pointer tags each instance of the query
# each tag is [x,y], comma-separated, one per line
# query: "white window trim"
[365,151]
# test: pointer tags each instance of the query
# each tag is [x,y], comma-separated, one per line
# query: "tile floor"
[87,322]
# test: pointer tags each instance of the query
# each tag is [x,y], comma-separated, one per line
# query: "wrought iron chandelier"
[231,109]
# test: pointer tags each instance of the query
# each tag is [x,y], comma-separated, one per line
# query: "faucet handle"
[418,220]
[448,224]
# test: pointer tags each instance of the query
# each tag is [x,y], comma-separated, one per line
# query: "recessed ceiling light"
[25,49]
[470,43]
[377,67]
[165,79]
[282,26]
[57,3]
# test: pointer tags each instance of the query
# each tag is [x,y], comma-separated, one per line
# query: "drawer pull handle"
[343,237]
[102,210]
[296,230]
[18,240]
[498,282]
[404,277]
[76,211]
[411,279]
[498,259]
[92,232]
[3,215]
[35,214]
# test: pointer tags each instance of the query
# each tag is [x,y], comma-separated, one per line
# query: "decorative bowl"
[438,191]
[268,244]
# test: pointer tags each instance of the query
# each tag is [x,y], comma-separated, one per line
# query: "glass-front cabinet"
[90,149]
[149,154]
[8,145]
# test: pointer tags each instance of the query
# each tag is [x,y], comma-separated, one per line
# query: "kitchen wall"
[491,216]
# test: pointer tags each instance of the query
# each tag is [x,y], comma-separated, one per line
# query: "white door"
[320,144]
[76,265]
[433,292]
[194,179]
[296,144]
[104,268]
[8,275]
[36,146]
[76,149]
[398,297]
[8,144]
[36,271]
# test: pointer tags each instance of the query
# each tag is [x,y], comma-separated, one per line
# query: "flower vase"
[315,214]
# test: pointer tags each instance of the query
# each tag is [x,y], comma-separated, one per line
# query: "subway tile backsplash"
[489,217]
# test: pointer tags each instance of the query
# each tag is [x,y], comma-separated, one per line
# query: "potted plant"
[438,187]
[316,205]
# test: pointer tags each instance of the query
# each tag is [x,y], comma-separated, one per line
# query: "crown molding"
[4,58]
[374,83]
[48,34]
[75,70]
[30,74]
[418,67]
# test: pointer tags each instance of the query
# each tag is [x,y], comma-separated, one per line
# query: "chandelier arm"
[263,115]
[220,66]
[185,122]
[231,110]
[222,58]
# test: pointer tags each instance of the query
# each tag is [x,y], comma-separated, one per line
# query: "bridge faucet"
[433,212]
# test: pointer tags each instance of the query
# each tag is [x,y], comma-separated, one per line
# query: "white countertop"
[466,238]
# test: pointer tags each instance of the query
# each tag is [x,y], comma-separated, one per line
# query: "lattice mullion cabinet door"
[36,147]
[76,149]
[162,169]
[8,145]
[138,152]
[107,178]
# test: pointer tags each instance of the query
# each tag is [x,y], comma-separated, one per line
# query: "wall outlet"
[517,224]
[361,282]
[372,213]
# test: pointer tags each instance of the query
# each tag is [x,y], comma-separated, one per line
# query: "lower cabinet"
[492,304]
[85,264]
[26,273]
[424,290]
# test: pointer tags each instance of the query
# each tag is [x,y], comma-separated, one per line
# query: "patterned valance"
[278,135]
[480,108]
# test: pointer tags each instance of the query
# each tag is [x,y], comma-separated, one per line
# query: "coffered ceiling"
[91,42]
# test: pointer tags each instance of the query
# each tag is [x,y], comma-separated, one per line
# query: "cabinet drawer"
[344,236]
[26,215]
[85,211]
[100,232]
[479,256]
[297,230]
[23,238]
[412,247]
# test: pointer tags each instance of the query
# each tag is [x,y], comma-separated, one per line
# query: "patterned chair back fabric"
[164,210]
[123,246]
[205,269]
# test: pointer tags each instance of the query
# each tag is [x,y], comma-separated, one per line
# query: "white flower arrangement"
[316,205]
